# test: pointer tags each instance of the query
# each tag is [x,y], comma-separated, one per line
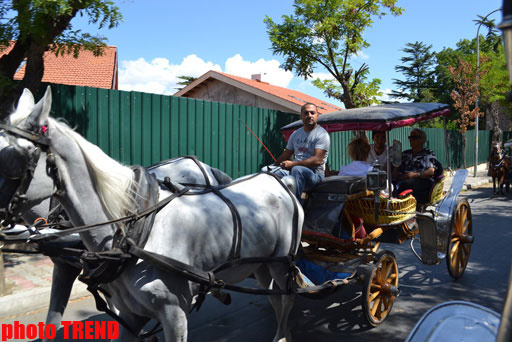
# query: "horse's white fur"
[193,229]
[25,105]
[113,180]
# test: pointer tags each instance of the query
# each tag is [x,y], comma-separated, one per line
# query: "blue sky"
[162,39]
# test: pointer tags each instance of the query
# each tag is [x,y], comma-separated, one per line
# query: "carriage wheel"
[380,288]
[461,238]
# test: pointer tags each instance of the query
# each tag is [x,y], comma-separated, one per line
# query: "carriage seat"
[436,194]
[324,203]
[340,185]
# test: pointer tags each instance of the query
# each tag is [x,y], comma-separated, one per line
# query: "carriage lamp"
[506,28]
[376,179]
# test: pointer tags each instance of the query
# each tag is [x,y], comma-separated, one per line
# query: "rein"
[134,217]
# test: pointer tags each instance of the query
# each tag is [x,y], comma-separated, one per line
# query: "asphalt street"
[339,316]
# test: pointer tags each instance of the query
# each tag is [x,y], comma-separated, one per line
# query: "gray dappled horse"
[195,229]
[185,170]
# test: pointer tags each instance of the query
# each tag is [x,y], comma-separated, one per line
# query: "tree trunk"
[464,150]
[9,91]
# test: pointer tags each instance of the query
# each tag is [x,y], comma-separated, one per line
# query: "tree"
[37,26]
[464,96]
[418,69]
[185,81]
[328,33]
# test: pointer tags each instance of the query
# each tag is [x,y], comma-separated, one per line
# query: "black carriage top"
[375,118]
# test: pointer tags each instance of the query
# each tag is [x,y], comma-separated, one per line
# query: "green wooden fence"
[141,128]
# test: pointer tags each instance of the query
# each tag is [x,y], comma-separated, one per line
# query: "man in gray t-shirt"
[310,145]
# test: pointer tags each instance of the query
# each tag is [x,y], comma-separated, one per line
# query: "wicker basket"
[391,211]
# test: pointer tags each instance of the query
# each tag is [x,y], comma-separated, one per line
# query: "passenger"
[358,149]
[378,151]
[310,145]
[418,169]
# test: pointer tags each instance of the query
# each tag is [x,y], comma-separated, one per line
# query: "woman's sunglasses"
[413,137]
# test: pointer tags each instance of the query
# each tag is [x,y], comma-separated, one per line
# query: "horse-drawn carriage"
[331,245]
[131,237]
[500,166]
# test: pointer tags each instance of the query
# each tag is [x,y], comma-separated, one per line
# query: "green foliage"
[37,26]
[495,84]
[48,21]
[185,81]
[438,123]
[364,95]
[418,68]
[327,33]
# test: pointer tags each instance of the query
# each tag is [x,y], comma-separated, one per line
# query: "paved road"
[339,317]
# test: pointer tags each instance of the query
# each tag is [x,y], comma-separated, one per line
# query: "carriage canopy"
[375,118]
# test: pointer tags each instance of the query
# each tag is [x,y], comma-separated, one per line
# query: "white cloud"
[322,75]
[160,76]
[271,71]
[385,96]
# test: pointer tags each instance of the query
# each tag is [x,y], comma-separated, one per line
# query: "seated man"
[418,169]
[378,150]
[310,145]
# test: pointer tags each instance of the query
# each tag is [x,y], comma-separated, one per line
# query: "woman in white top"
[358,149]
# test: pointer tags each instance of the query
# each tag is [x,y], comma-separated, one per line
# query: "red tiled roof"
[85,70]
[293,96]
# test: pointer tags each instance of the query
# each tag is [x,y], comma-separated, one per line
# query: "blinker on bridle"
[25,166]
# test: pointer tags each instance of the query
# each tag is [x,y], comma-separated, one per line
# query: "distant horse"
[253,217]
[185,170]
[500,166]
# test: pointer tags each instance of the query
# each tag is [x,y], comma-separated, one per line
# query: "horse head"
[24,181]
[496,153]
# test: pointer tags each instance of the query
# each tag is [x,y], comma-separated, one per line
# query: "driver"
[418,169]
[310,145]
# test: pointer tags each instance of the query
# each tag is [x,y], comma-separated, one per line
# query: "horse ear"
[39,115]
[25,106]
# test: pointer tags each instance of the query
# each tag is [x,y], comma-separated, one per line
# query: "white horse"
[194,229]
[185,170]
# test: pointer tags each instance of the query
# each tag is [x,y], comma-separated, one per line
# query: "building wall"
[215,90]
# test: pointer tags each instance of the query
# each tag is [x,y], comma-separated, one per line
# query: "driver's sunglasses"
[414,137]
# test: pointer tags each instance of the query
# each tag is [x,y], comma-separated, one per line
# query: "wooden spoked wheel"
[461,238]
[380,288]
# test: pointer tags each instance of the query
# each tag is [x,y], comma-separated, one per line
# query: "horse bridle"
[16,185]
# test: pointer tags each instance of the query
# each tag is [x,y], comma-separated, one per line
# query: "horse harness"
[129,240]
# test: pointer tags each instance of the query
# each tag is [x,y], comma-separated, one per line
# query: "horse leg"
[135,322]
[282,304]
[501,182]
[63,277]
[174,323]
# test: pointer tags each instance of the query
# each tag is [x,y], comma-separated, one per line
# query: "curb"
[35,299]
[469,186]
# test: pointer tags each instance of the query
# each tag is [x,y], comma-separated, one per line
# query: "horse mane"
[112,180]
